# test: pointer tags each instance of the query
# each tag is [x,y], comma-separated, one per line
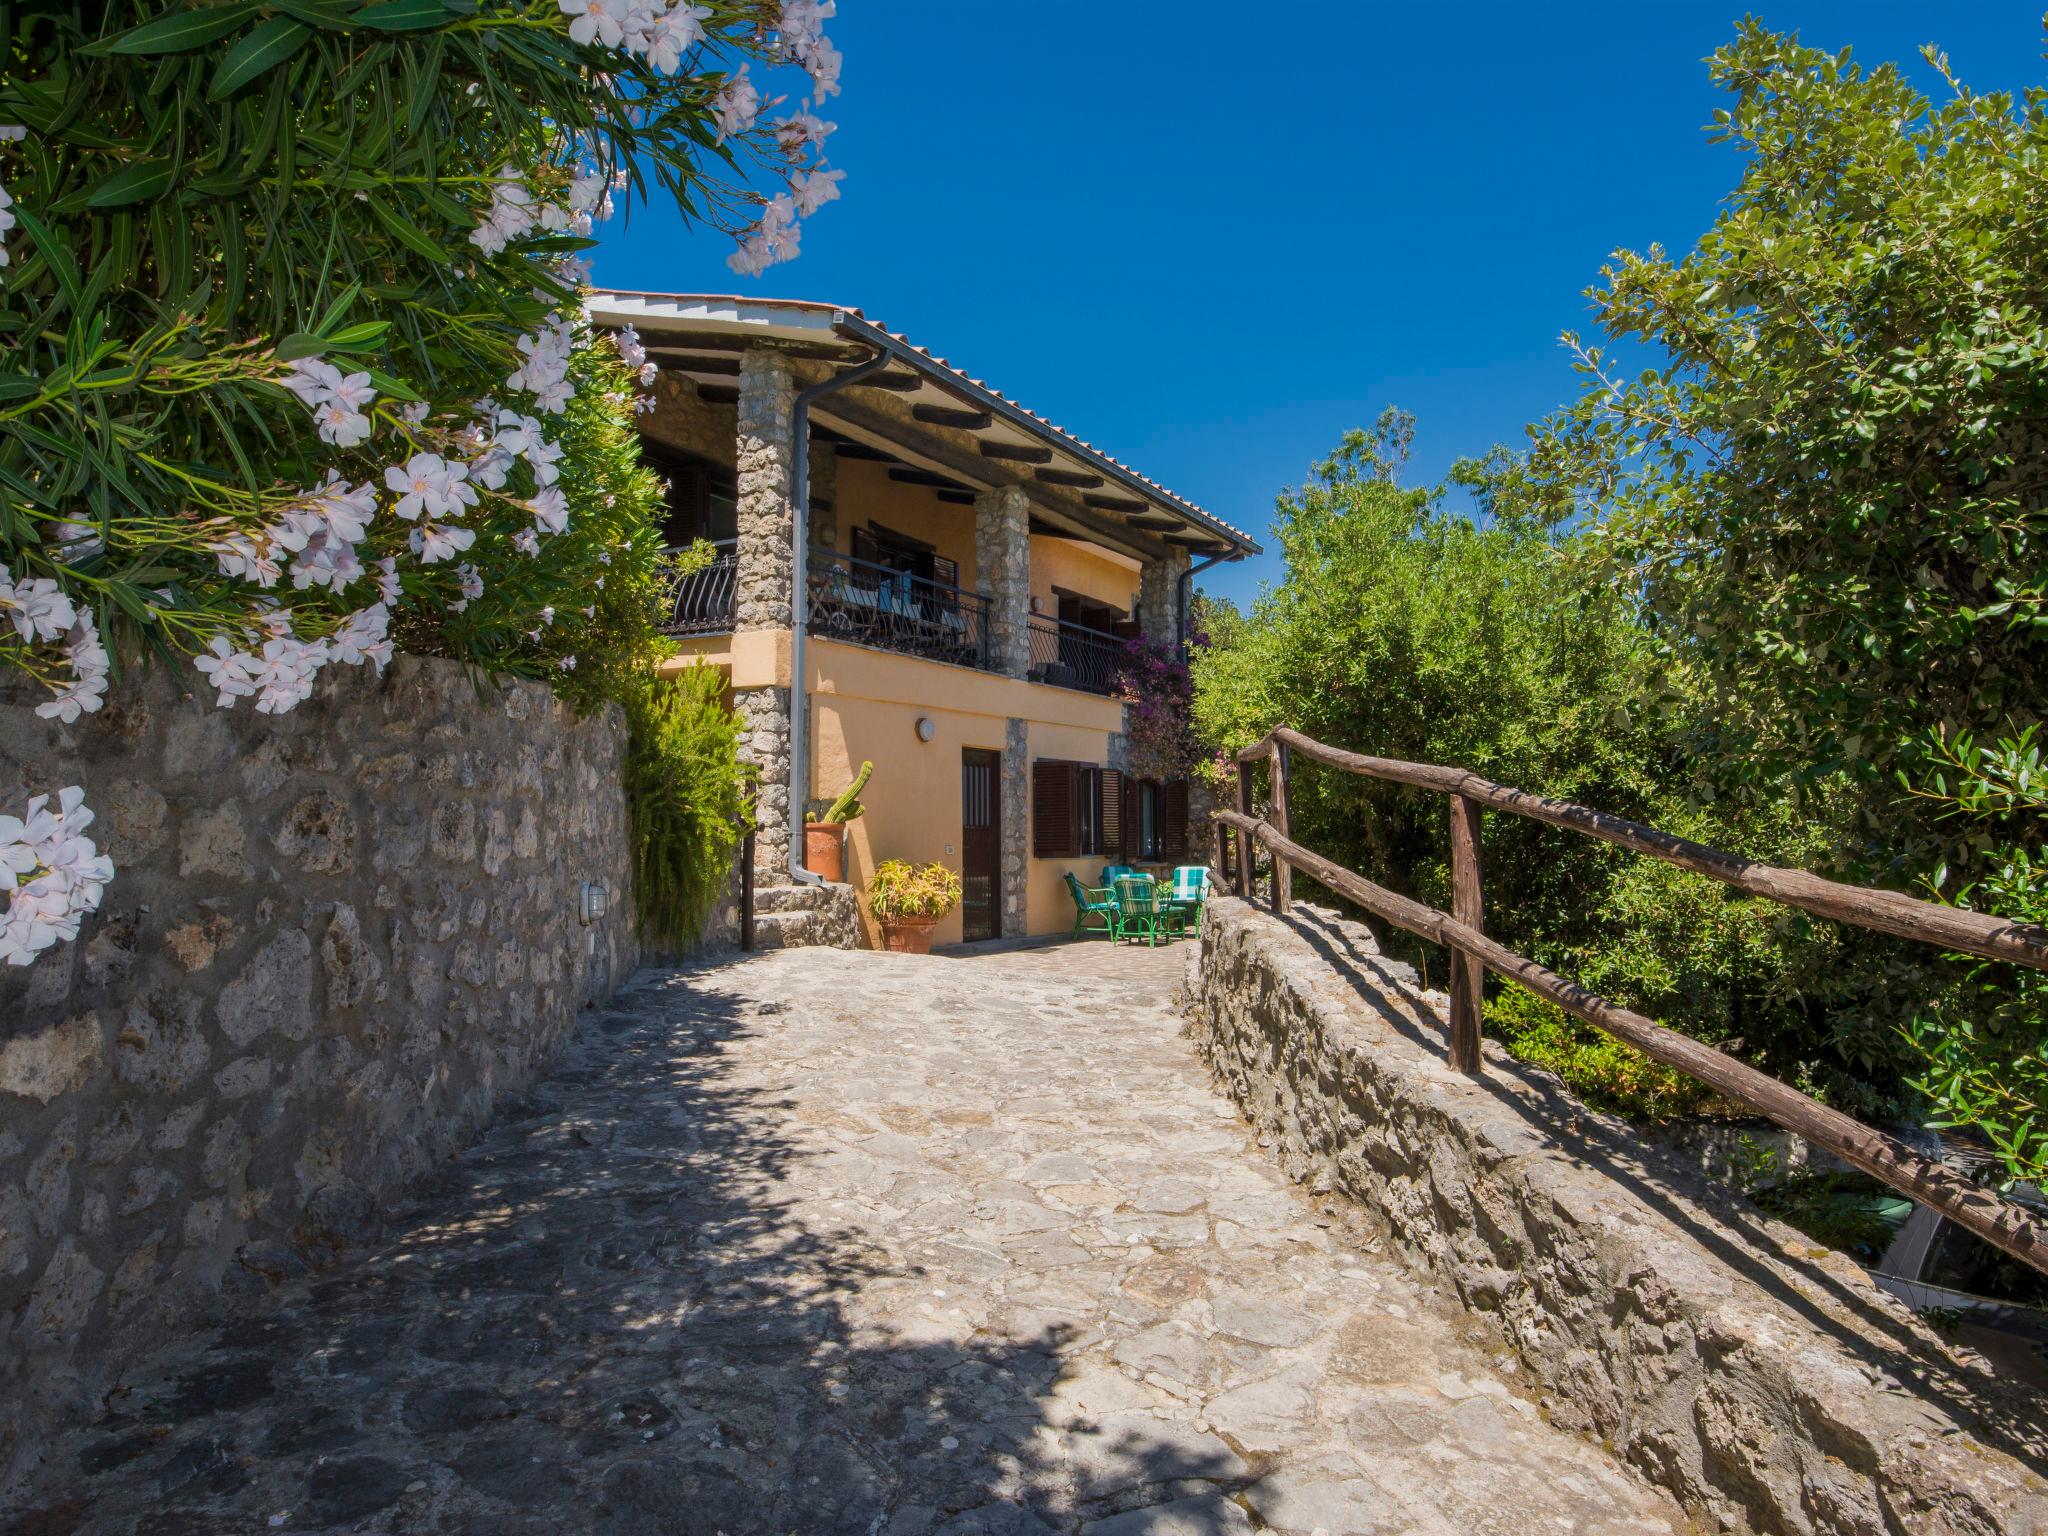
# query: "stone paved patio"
[831,1242]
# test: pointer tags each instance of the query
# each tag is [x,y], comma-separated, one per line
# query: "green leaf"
[62,264]
[268,45]
[387,385]
[131,184]
[356,338]
[176,33]
[403,15]
[408,232]
[300,344]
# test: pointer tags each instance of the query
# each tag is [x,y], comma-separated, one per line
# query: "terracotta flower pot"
[825,849]
[909,935]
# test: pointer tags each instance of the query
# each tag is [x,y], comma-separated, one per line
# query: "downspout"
[799,603]
[1186,594]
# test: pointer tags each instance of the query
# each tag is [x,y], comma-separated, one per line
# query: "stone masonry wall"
[1767,1383]
[1159,594]
[335,939]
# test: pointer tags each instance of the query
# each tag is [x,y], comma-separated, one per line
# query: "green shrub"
[689,798]
[901,890]
[1606,1073]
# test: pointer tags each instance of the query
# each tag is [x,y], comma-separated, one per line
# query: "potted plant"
[825,828]
[908,902]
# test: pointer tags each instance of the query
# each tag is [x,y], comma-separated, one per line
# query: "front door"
[981,860]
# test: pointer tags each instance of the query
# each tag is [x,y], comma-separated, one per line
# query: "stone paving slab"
[848,1242]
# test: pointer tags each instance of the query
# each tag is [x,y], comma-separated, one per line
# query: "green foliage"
[900,890]
[531,617]
[690,799]
[1829,492]
[1406,630]
[1831,486]
[206,195]
[847,807]
[1606,1073]
[1983,1039]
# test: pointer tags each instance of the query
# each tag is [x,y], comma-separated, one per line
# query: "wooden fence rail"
[2002,1223]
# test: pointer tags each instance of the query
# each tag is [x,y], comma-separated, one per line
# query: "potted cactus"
[825,828]
[908,902]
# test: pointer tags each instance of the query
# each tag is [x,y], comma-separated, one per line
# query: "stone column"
[764,740]
[766,461]
[1016,829]
[1002,569]
[1159,595]
[766,473]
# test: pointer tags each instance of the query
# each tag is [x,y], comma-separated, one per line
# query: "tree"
[1831,491]
[289,328]
[1833,488]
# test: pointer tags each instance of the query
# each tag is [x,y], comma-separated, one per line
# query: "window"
[1079,810]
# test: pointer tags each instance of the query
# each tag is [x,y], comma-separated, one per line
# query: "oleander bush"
[291,362]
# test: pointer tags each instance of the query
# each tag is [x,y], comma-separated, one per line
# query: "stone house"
[916,571]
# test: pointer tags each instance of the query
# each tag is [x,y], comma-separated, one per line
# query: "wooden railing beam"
[1892,912]
[2005,1225]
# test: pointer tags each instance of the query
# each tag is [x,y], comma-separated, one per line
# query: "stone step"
[799,898]
[803,930]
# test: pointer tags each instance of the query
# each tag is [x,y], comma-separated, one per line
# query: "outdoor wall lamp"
[596,901]
[927,728]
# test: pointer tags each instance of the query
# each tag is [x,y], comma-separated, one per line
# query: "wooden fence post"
[1221,857]
[1244,838]
[747,891]
[1283,821]
[1468,972]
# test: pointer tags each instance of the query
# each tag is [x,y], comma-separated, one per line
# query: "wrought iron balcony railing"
[868,604]
[701,602]
[1075,656]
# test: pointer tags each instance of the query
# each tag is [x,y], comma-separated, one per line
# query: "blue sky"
[1210,239]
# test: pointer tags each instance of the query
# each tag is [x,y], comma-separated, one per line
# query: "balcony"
[1070,655]
[701,602]
[868,604]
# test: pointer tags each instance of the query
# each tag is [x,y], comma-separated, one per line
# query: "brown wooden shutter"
[1133,823]
[945,572]
[1054,832]
[1173,835]
[1109,818]
[865,548]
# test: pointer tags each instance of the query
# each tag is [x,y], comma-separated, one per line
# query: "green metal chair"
[1092,903]
[1142,911]
[1190,892]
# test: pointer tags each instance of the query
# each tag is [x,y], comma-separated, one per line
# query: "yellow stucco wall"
[1083,568]
[865,706]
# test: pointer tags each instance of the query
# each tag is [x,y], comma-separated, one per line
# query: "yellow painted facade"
[865,705]
[1073,566]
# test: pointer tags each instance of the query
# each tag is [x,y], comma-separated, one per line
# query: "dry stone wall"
[1766,1382]
[336,938]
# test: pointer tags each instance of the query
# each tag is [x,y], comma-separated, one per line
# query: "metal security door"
[981,820]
